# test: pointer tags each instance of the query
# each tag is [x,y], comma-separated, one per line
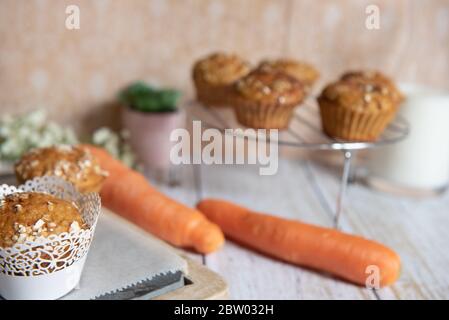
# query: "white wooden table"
[418,229]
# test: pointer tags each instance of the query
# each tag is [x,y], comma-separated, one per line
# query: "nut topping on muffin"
[359,105]
[303,72]
[214,76]
[270,86]
[72,163]
[266,99]
[25,217]
[363,90]
[220,68]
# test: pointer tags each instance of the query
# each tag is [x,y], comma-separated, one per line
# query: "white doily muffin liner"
[50,267]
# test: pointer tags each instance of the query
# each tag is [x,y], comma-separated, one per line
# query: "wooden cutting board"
[199,283]
[142,255]
[202,284]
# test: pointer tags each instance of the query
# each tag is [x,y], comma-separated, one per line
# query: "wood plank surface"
[290,194]
[306,188]
[415,228]
[411,45]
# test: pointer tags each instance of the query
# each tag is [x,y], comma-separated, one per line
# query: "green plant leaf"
[142,97]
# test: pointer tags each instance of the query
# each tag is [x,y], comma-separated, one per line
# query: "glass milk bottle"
[420,163]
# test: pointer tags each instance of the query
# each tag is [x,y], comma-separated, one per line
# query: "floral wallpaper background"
[75,74]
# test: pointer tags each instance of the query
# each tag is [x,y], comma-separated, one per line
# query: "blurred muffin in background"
[303,72]
[266,99]
[71,163]
[33,216]
[214,75]
[359,106]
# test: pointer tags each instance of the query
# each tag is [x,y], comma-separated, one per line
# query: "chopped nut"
[99,171]
[17,208]
[74,227]
[22,237]
[281,85]
[20,228]
[63,165]
[34,163]
[50,205]
[266,90]
[38,225]
[51,225]
[281,99]
[84,163]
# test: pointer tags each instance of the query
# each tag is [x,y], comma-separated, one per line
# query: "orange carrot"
[319,248]
[128,193]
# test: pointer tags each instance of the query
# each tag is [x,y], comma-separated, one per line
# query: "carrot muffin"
[32,216]
[266,99]
[71,163]
[303,72]
[214,75]
[359,106]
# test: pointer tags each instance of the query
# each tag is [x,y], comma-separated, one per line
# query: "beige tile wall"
[75,74]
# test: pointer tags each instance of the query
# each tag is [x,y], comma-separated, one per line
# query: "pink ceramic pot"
[150,135]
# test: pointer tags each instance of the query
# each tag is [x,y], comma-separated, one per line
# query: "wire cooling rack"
[305,132]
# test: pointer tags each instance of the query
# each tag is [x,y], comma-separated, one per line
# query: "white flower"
[19,134]
[36,118]
[115,144]
[102,135]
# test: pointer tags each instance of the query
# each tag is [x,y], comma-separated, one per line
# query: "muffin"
[266,99]
[359,106]
[46,228]
[32,216]
[303,72]
[214,75]
[71,163]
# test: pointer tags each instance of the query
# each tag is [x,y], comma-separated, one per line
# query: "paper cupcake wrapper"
[213,96]
[351,125]
[50,267]
[263,115]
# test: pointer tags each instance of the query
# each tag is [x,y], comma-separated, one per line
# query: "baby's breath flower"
[116,144]
[18,134]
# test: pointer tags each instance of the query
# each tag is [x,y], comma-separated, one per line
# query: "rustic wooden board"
[204,284]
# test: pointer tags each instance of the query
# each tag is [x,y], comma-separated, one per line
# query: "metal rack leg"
[344,183]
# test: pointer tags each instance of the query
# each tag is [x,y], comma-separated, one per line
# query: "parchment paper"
[121,255]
